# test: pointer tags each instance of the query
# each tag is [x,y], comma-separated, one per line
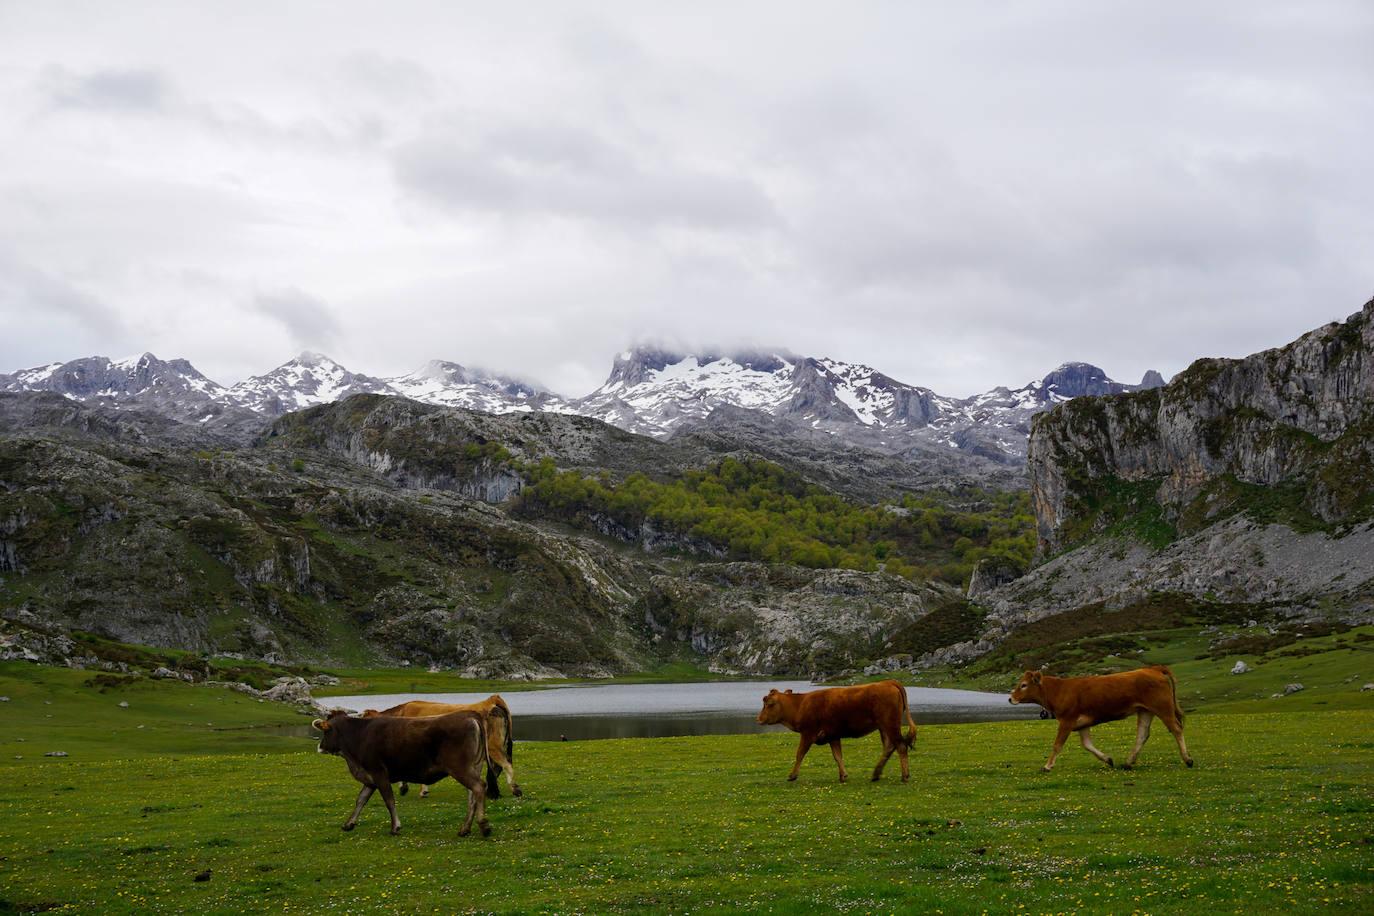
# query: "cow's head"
[1028,689]
[329,734]
[371,713]
[772,712]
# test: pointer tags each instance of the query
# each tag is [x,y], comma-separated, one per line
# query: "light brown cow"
[500,734]
[1082,702]
[826,716]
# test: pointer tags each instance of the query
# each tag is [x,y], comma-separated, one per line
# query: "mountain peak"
[313,359]
[1075,379]
[132,362]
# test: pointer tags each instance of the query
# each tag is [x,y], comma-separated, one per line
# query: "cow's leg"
[1175,728]
[509,769]
[802,748]
[424,791]
[839,759]
[363,796]
[384,786]
[1064,728]
[1091,748]
[1142,734]
[477,800]
[888,747]
[902,753]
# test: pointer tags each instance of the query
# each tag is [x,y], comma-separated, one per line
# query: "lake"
[666,710]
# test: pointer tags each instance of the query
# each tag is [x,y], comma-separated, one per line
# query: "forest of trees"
[756,510]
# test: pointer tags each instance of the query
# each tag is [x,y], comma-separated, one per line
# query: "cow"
[386,749]
[1082,702]
[828,716]
[500,735]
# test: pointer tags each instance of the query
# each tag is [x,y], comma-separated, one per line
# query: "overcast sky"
[961,195]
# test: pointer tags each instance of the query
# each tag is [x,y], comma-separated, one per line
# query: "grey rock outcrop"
[1299,416]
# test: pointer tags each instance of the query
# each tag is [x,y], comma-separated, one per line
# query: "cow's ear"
[1036,677]
[789,689]
[321,725]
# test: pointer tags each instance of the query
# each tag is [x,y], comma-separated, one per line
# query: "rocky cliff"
[1286,435]
[375,530]
[1242,491]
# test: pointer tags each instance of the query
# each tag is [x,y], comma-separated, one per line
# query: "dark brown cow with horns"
[830,715]
[1082,702]
[386,749]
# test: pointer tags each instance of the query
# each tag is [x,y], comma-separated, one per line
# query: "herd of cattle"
[422,742]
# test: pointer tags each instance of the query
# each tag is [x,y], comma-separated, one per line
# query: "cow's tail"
[1173,690]
[499,708]
[510,729]
[485,758]
[909,738]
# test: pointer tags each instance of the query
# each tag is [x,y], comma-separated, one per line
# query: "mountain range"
[1234,505]
[649,391]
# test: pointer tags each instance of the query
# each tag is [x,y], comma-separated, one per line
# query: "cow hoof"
[1110,763]
[348,827]
[405,787]
[517,791]
[1045,769]
[486,828]
[1128,766]
[791,779]
[464,831]
[906,779]
[1190,762]
[395,831]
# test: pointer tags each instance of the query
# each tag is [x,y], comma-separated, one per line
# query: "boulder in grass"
[1292,688]
[1240,667]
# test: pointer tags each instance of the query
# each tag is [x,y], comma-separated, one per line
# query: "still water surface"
[664,710]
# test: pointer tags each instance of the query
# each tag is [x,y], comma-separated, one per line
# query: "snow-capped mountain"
[307,380]
[657,392]
[440,382]
[650,391]
[143,378]
[654,392]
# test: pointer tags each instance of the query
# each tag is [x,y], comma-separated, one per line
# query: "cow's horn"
[320,724]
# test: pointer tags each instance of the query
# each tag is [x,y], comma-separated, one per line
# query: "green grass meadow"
[1277,815]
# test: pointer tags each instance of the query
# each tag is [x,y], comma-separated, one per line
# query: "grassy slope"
[1277,814]
[1332,669]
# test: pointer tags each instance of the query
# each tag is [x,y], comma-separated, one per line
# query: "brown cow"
[386,749]
[827,716]
[1082,702]
[500,735]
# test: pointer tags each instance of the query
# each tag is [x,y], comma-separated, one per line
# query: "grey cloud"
[309,320]
[961,195]
[390,78]
[132,90]
[26,289]
[565,172]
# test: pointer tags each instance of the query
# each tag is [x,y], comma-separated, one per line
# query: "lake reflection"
[665,710]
